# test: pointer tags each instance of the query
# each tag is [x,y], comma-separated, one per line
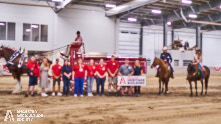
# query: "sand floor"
[177,107]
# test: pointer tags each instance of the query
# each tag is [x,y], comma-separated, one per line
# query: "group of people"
[81,73]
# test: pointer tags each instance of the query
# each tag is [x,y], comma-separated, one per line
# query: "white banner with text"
[131,81]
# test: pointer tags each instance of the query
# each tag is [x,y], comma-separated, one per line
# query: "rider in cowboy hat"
[165,56]
[198,61]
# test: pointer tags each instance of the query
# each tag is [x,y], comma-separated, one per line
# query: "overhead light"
[193,16]
[156,11]
[132,19]
[168,23]
[187,1]
[108,5]
[2,24]
[28,30]
[58,0]
[220,7]
[34,26]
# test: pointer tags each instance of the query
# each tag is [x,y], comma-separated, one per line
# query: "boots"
[157,75]
[172,76]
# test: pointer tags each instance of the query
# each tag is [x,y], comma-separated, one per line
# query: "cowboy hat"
[165,48]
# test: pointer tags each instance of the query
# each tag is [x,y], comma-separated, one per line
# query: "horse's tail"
[207,71]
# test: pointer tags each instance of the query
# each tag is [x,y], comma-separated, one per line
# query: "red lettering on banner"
[122,80]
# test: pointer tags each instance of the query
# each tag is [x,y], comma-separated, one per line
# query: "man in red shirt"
[33,73]
[56,72]
[112,69]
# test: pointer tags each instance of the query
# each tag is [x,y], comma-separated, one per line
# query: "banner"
[131,81]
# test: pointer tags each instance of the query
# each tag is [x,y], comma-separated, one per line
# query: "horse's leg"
[202,86]
[17,88]
[206,85]
[163,86]
[196,88]
[159,86]
[166,87]
[191,92]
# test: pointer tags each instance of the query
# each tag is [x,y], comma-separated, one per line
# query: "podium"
[75,53]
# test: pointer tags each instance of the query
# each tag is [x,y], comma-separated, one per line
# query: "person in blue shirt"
[166,57]
[66,76]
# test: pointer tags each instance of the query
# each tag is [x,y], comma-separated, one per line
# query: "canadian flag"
[122,80]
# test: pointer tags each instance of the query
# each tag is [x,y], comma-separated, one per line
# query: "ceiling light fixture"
[193,16]
[2,24]
[34,26]
[28,30]
[132,19]
[108,5]
[58,0]
[187,1]
[156,11]
[168,23]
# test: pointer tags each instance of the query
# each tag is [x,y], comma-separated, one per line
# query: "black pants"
[137,89]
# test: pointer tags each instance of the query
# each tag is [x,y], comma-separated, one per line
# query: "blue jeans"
[90,81]
[100,82]
[171,68]
[200,70]
[66,87]
[78,85]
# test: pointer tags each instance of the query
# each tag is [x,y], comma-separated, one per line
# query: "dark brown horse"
[6,53]
[164,74]
[194,76]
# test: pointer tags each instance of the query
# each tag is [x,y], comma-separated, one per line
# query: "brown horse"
[6,53]
[194,76]
[164,74]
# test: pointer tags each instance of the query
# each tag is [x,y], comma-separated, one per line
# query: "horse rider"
[77,40]
[166,57]
[197,61]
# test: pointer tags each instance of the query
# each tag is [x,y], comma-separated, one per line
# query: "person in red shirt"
[79,75]
[56,72]
[101,72]
[33,73]
[112,69]
[91,68]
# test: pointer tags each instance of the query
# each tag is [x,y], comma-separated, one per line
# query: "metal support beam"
[165,31]
[201,42]
[172,36]
[198,36]
[141,41]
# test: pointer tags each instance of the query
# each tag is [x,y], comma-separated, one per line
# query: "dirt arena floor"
[177,107]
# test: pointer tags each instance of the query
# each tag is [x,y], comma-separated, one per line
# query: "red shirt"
[91,70]
[34,67]
[56,70]
[101,69]
[112,66]
[79,71]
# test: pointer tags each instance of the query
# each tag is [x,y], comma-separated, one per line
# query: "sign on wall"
[131,81]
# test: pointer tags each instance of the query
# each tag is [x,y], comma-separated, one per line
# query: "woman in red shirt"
[78,75]
[91,68]
[101,72]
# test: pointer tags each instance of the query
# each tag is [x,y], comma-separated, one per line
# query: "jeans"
[78,85]
[137,89]
[171,68]
[66,87]
[90,81]
[200,70]
[100,82]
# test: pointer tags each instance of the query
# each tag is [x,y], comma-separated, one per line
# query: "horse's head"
[190,70]
[155,62]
